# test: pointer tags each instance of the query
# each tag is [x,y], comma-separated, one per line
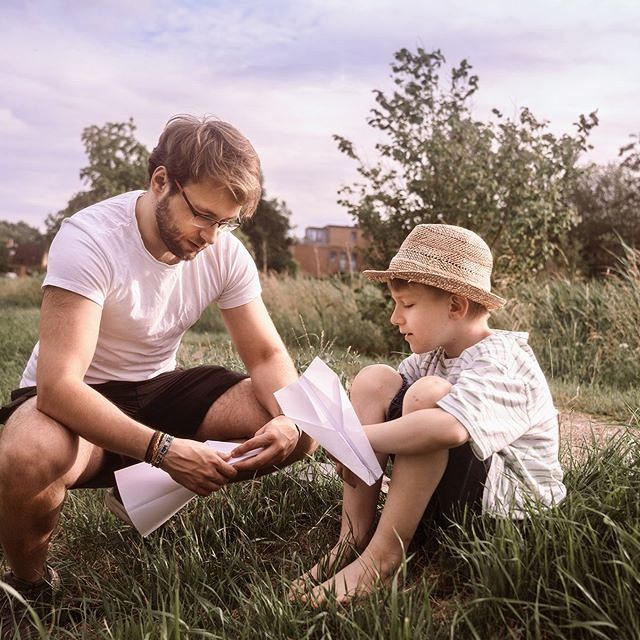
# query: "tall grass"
[573,572]
[589,330]
[580,330]
[305,309]
[21,292]
[18,334]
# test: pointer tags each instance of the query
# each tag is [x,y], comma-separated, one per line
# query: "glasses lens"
[231,225]
[203,222]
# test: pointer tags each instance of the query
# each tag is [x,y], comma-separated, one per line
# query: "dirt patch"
[580,431]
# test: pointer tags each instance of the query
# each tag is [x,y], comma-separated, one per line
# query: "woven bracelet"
[153,445]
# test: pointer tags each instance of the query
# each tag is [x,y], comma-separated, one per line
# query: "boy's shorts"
[463,481]
[175,402]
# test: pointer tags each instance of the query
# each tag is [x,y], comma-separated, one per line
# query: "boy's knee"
[377,381]
[424,393]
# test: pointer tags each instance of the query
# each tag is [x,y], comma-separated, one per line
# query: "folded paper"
[151,496]
[319,405]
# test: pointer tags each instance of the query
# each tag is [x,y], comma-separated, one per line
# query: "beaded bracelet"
[164,444]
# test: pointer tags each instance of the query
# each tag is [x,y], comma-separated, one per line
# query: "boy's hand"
[343,472]
[347,476]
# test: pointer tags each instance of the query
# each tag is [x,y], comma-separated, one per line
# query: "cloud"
[10,124]
[289,74]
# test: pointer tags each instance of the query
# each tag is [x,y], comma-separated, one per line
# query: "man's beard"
[169,231]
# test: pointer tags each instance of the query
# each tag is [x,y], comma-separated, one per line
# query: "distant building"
[330,250]
[26,258]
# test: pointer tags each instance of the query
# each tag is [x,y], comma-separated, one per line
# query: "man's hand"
[197,466]
[279,438]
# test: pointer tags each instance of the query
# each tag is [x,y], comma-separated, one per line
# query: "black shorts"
[463,481]
[175,402]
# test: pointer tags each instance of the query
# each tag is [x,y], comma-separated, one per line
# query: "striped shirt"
[502,398]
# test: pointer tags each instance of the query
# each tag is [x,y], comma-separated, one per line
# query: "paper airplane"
[318,404]
[151,496]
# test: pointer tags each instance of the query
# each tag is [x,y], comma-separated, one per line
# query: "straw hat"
[447,257]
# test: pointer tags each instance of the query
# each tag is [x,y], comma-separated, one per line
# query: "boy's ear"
[458,307]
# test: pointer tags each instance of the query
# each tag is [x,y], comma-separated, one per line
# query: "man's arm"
[69,325]
[270,367]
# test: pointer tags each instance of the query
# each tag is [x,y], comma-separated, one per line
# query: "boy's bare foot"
[359,578]
[342,554]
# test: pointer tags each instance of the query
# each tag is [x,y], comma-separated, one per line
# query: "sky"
[289,74]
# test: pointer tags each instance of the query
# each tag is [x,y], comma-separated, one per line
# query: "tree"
[511,181]
[19,232]
[268,231]
[117,163]
[608,201]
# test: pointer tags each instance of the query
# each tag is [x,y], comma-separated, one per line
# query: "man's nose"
[209,234]
[395,319]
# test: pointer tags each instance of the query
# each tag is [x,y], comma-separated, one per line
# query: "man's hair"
[193,149]
[475,308]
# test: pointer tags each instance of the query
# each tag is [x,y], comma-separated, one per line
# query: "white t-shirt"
[502,398]
[147,305]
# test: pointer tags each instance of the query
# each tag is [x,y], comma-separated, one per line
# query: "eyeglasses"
[207,222]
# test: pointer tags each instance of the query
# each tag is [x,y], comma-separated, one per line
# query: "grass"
[221,568]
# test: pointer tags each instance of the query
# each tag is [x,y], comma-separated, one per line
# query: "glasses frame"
[204,221]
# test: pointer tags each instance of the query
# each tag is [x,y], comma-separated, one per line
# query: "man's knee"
[425,393]
[34,450]
[377,383]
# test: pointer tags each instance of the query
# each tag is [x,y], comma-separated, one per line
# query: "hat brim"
[488,300]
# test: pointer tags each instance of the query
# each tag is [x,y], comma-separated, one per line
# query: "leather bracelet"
[298,429]
[152,447]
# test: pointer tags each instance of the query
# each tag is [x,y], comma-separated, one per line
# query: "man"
[126,278]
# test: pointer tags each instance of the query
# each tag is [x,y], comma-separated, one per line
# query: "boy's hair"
[193,149]
[475,309]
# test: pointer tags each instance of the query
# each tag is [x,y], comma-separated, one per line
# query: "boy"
[468,416]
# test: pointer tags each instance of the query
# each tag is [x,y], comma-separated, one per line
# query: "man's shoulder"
[106,215]
[226,254]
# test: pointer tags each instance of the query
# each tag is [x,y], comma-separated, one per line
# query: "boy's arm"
[417,432]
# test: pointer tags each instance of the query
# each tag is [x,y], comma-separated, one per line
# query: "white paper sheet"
[319,405]
[151,496]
